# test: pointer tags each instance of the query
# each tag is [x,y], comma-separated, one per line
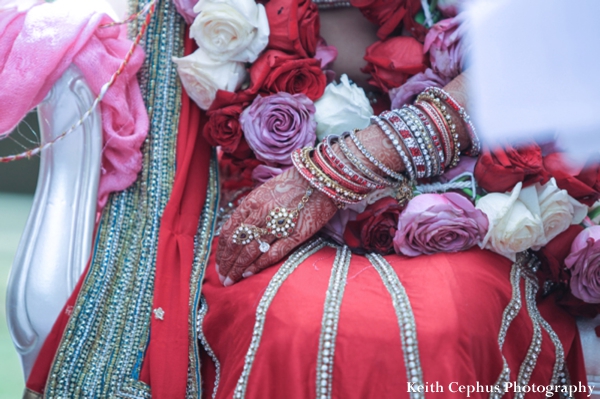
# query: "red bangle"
[344,169]
[410,142]
[444,136]
[329,171]
[448,99]
[339,199]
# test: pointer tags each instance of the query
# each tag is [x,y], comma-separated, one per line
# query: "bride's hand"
[235,261]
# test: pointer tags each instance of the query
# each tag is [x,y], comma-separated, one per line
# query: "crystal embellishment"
[264,246]
[159,313]
[281,222]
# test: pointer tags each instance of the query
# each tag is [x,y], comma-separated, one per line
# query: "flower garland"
[261,73]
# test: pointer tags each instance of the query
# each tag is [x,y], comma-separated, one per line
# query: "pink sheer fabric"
[37,46]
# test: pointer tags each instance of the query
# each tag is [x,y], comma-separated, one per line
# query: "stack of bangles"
[424,135]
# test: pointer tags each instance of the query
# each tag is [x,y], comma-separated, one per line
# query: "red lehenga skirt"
[328,324]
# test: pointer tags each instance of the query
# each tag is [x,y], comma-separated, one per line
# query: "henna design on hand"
[285,190]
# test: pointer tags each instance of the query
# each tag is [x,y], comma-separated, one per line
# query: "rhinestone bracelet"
[344,169]
[427,140]
[433,137]
[333,174]
[323,184]
[447,117]
[442,95]
[443,129]
[409,141]
[341,191]
[396,143]
[373,160]
[360,166]
[418,132]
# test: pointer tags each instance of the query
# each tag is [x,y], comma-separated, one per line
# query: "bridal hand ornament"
[281,223]
[262,213]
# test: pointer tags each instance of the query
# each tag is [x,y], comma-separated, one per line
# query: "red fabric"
[457,300]
[166,362]
[39,372]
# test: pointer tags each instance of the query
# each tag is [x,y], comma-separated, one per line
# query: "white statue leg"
[56,242]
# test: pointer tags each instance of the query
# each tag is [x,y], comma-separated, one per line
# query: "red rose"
[553,256]
[575,306]
[581,182]
[393,61]
[294,26]
[275,71]
[388,14]
[499,169]
[374,229]
[223,127]
[236,172]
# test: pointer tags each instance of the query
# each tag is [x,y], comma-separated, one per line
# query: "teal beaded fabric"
[102,348]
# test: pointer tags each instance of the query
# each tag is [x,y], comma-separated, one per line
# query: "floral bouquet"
[261,73]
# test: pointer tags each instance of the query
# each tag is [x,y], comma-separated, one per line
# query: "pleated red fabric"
[166,363]
[457,300]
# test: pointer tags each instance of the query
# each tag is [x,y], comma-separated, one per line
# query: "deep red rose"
[393,61]
[294,26]
[388,14]
[236,172]
[576,306]
[499,169]
[582,182]
[553,269]
[275,71]
[223,127]
[553,257]
[374,229]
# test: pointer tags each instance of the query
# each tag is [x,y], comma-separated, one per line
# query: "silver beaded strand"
[329,325]
[201,314]
[509,314]
[282,274]
[406,321]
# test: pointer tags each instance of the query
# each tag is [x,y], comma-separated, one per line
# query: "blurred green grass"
[14,209]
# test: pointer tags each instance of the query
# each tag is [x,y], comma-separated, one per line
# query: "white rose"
[202,77]
[231,30]
[342,107]
[513,227]
[558,210]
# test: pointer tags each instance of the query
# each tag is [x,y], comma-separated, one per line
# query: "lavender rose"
[444,42]
[584,263]
[434,223]
[275,126]
[408,92]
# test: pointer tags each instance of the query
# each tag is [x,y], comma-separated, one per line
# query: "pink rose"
[444,42]
[450,8]
[186,9]
[434,223]
[407,93]
[276,125]
[584,263]
[325,53]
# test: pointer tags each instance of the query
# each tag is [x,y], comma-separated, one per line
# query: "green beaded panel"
[102,349]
